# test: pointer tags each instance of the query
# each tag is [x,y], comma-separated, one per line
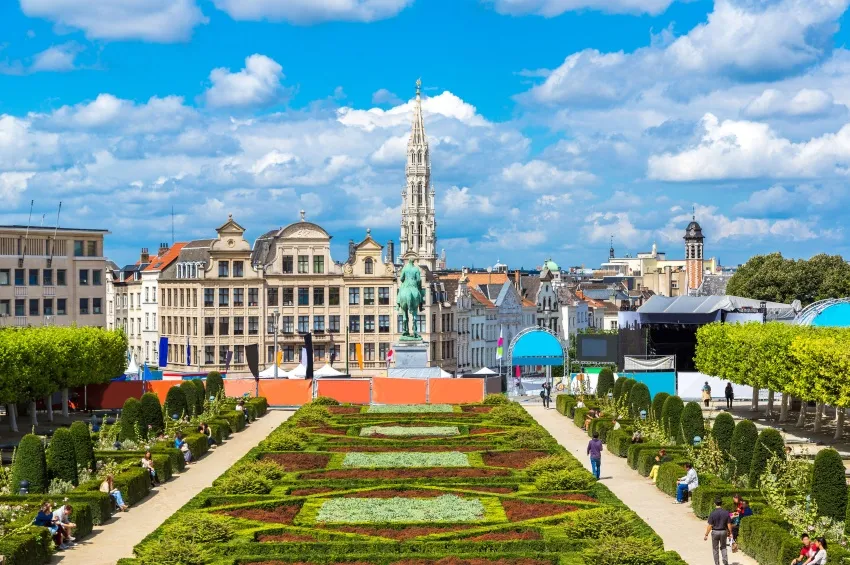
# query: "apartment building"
[52,276]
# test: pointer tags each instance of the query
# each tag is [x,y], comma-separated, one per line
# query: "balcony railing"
[49,291]
[20,321]
[20,291]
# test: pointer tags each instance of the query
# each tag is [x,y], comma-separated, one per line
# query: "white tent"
[327,371]
[445,374]
[485,371]
[132,368]
[299,372]
[268,372]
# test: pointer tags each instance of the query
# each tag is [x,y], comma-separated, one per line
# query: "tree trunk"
[837,414]
[785,408]
[801,421]
[769,414]
[11,413]
[818,417]
[64,402]
[755,405]
[839,423]
[48,402]
[33,414]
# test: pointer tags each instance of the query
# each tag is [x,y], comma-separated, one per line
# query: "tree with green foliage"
[639,400]
[150,417]
[191,394]
[83,446]
[692,423]
[743,443]
[131,420]
[724,427]
[658,405]
[175,402]
[200,395]
[829,485]
[775,278]
[618,387]
[671,416]
[769,443]
[30,465]
[61,456]
[605,383]
[215,384]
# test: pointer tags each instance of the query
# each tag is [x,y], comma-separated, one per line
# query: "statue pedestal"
[410,360]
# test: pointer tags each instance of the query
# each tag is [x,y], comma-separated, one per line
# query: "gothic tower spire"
[418,223]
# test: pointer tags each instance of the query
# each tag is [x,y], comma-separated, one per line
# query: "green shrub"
[244,483]
[646,458]
[767,542]
[260,404]
[618,387]
[615,550]
[508,415]
[724,427]
[702,499]
[605,382]
[197,443]
[671,418]
[200,528]
[636,448]
[190,391]
[769,443]
[494,399]
[175,402]
[692,423]
[600,426]
[658,405]
[569,479]
[639,399]
[563,402]
[325,401]
[743,443]
[83,446]
[30,545]
[235,419]
[618,442]
[200,395]
[151,419]
[263,467]
[167,550]
[311,415]
[30,465]
[529,438]
[215,384]
[285,439]
[626,391]
[61,456]
[580,416]
[829,485]
[551,464]
[130,420]
[668,477]
[597,523]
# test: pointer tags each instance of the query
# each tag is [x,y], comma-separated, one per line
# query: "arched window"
[369,266]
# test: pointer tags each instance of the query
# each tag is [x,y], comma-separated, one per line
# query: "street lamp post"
[275,313]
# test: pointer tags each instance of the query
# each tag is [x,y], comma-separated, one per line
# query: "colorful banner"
[358,349]
[499,349]
[163,352]
[188,353]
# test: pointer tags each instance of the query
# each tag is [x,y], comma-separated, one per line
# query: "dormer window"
[369,266]
[223,268]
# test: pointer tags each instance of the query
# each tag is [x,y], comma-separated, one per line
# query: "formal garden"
[479,484]
[789,495]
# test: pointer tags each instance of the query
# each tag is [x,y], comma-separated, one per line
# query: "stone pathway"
[676,524]
[115,539]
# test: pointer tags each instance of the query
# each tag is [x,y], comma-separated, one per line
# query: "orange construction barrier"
[110,395]
[238,387]
[455,391]
[287,392]
[160,388]
[388,390]
[355,391]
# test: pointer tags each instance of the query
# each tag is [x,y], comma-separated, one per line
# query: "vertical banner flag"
[227,359]
[333,355]
[500,350]
[163,351]
[518,372]
[279,357]
[308,347]
[188,353]
[252,354]
[389,357]
[304,356]
[358,352]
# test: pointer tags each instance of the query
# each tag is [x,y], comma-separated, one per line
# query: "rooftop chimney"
[145,257]
[391,252]
[351,247]
[163,249]
[516,279]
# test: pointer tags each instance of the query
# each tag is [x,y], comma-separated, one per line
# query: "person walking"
[706,394]
[720,529]
[594,450]
[546,394]
[730,396]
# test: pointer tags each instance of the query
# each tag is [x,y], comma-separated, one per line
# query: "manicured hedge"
[134,484]
[175,402]
[83,445]
[30,464]
[174,455]
[704,495]
[692,423]
[743,443]
[767,542]
[671,418]
[98,503]
[618,387]
[200,395]
[635,450]
[626,391]
[61,456]
[151,415]
[215,384]
[724,427]
[197,443]
[829,485]
[639,399]
[646,458]
[162,461]
[28,547]
[131,420]
[580,416]
[668,477]
[235,419]
[658,405]
[769,443]
[602,426]
[618,442]
[605,382]
[563,402]
[190,391]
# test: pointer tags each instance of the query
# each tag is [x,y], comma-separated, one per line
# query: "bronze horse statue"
[411,299]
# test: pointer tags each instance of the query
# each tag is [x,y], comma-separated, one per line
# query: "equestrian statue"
[411,300]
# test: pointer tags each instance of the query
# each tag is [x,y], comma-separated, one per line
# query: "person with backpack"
[546,394]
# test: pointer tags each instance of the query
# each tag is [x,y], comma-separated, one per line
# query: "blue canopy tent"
[534,347]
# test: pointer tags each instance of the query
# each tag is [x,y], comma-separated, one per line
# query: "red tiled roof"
[158,263]
[476,279]
[479,296]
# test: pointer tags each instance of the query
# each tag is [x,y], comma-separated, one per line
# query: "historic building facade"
[694,255]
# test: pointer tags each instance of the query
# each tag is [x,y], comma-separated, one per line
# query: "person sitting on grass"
[63,519]
[807,552]
[45,519]
[147,463]
[108,486]
[181,444]
[660,459]
[686,484]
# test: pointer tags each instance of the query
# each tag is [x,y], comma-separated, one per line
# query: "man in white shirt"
[63,514]
[687,484]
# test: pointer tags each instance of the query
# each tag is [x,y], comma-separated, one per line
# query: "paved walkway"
[676,524]
[116,539]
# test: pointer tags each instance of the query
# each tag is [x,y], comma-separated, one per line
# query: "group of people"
[58,522]
[728,393]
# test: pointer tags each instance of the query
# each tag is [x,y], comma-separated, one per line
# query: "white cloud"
[600,227]
[149,20]
[393,151]
[552,8]
[445,105]
[312,11]
[384,96]
[258,84]
[773,103]
[540,175]
[109,112]
[460,200]
[12,184]
[58,58]
[513,238]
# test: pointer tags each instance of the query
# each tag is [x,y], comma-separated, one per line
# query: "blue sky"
[554,123]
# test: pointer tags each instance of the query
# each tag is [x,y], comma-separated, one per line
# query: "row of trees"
[36,362]
[777,279]
[804,362]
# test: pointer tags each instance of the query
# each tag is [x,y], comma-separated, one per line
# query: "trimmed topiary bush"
[829,486]
[30,465]
[151,420]
[83,446]
[200,395]
[769,443]
[639,399]
[568,479]
[692,423]
[618,442]
[618,387]
[671,416]
[200,528]
[215,384]
[658,405]
[328,401]
[175,402]
[605,382]
[244,483]
[190,391]
[625,392]
[724,427]
[61,456]
[551,464]
[618,550]
[167,550]
[130,420]
[743,442]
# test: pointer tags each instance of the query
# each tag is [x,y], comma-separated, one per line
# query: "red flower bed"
[572,496]
[477,431]
[299,461]
[414,473]
[476,409]
[512,459]
[309,491]
[507,536]
[330,431]
[518,510]
[402,533]
[286,537]
[344,409]
[283,514]
[424,448]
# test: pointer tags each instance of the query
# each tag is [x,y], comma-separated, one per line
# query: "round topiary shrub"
[191,394]
[325,401]
[618,387]
[284,439]
[605,383]
[201,528]
[494,399]
[639,399]
[83,446]
[215,384]
[30,465]
[200,395]
[508,415]
[829,485]
[131,420]
[569,479]
[167,550]
[61,456]
[743,442]
[599,523]
[671,416]
[175,402]
[724,427]
[151,420]
[626,391]
[244,483]
[769,443]
[552,463]
[658,405]
[692,423]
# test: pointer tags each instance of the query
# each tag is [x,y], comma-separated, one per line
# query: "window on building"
[33,278]
[5,276]
[334,351]
[147,322]
[253,325]
[223,268]
[270,324]
[271,296]
[239,354]
[61,306]
[303,296]
[354,296]
[209,325]
[303,324]
[20,275]
[84,276]
[224,326]
[238,325]
[209,354]
[303,264]
[333,296]
[613,324]
[420,324]
[318,264]
[369,323]
[270,354]
[5,307]
[287,296]
[48,306]
[383,349]
[60,277]
[369,266]
[84,305]
[46,277]
[369,352]
[194,298]
[97,305]
[318,323]
[223,296]
[287,265]
[318,296]
[147,296]
[368,296]
[79,248]
[354,323]
[34,307]
[222,354]
[91,249]
[238,268]
[239,297]
[209,297]
[319,352]
[253,296]
[333,324]
[384,323]
[287,324]
[182,298]
[383,296]
[97,278]
[184,325]
[288,353]
[20,307]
